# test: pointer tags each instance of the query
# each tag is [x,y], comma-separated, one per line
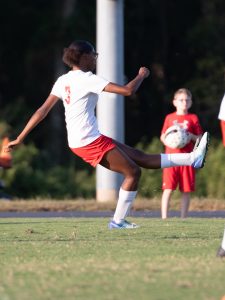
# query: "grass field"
[82,259]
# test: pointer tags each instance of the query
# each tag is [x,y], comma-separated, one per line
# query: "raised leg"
[144,160]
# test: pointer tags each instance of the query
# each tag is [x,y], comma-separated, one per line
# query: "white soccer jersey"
[79,91]
[222,110]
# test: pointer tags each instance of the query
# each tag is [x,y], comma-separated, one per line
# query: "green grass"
[81,259]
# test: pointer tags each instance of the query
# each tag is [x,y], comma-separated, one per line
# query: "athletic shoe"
[200,151]
[220,252]
[196,144]
[123,225]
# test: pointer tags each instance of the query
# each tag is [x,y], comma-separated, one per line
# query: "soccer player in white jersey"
[79,90]
[221,250]
[221,117]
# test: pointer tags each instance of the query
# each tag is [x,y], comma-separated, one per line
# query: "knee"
[132,177]
[136,173]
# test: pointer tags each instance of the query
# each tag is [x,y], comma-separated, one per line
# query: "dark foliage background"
[182,42]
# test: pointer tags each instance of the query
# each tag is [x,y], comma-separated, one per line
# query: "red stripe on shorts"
[94,152]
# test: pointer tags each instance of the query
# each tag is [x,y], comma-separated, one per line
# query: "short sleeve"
[57,89]
[165,125]
[197,127]
[96,84]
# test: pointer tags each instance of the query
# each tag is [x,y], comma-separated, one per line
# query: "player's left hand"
[143,71]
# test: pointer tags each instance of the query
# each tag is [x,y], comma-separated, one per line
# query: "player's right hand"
[11,145]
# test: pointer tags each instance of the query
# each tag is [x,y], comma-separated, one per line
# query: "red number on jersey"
[67,90]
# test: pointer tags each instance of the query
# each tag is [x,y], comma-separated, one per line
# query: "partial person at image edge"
[221,117]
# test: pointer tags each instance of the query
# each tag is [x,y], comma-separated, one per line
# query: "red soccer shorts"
[94,152]
[183,176]
[222,124]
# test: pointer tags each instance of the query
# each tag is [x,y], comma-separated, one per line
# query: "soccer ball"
[176,137]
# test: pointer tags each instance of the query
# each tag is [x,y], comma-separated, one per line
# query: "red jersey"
[190,122]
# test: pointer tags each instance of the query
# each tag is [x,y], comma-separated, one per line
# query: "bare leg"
[148,161]
[156,161]
[118,161]
[166,196]
[185,201]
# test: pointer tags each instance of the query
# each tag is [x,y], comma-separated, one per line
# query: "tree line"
[180,41]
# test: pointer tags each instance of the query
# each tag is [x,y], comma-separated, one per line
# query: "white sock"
[223,241]
[176,159]
[124,204]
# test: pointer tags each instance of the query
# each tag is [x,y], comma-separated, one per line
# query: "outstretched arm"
[131,87]
[36,118]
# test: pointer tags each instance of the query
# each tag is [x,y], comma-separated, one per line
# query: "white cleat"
[123,225]
[200,151]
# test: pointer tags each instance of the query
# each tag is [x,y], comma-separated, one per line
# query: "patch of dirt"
[197,204]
